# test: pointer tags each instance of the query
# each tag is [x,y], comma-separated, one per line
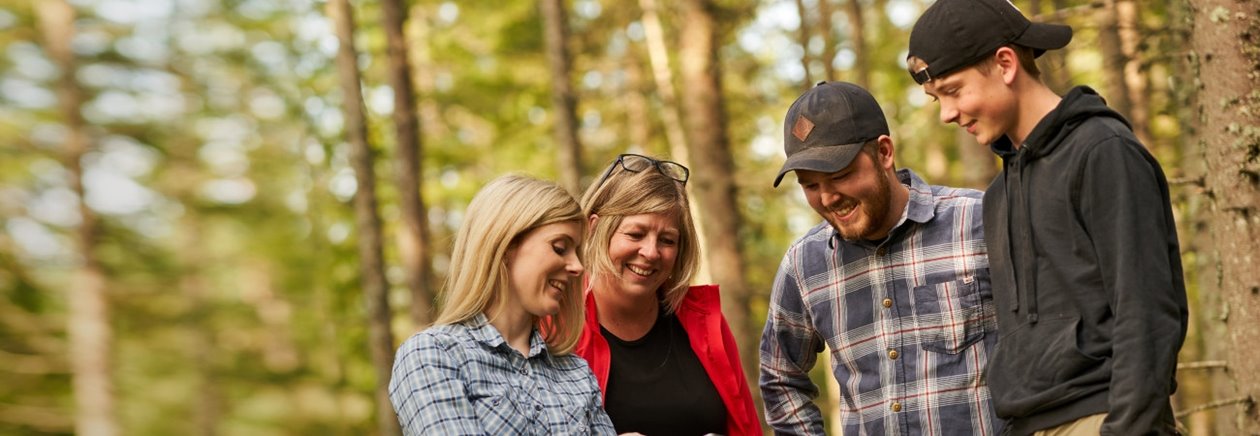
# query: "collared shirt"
[909,322]
[464,379]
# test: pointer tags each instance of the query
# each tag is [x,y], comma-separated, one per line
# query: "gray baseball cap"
[827,126]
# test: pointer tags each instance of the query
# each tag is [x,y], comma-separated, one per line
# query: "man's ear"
[886,152]
[1007,63]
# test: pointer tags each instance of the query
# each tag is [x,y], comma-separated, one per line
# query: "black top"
[1086,272]
[656,385]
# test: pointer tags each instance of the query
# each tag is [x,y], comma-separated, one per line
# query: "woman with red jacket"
[660,349]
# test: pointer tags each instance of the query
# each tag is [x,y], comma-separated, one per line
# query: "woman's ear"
[590,224]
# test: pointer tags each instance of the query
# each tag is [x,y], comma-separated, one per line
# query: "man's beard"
[874,209]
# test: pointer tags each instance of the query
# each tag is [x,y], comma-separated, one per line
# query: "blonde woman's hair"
[625,193]
[504,210]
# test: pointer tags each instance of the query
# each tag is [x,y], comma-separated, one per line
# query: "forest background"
[220,217]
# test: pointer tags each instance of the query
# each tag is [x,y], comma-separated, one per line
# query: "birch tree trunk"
[563,99]
[414,235]
[90,333]
[1224,42]
[367,222]
[714,170]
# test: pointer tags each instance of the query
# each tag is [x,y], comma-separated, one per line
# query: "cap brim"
[1045,36]
[827,159]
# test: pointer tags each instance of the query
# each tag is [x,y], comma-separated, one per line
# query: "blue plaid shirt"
[464,379]
[909,323]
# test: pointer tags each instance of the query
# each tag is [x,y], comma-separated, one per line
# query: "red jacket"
[701,316]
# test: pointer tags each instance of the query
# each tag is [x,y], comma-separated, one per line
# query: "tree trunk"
[367,222]
[671,117]
[563,99]
[1130,31]
[638,114]
[714,170]
[1114,59]
[414,233]
[857,30]
[802,38]
[828,56]
[1224,41]
[90,333]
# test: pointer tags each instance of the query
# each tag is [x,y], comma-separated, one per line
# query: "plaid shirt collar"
[485,334]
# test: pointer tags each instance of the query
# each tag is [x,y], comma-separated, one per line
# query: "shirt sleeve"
[427,392]
[601,424]
[1125,209]
[789,349]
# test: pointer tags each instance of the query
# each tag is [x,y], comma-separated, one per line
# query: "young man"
[1082,245]
[894,282]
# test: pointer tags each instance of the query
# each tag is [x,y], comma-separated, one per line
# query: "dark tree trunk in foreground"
[1226,44]
[414,233]
[90,333]
[367,222]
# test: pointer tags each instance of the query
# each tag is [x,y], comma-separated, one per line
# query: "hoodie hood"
[1080,104]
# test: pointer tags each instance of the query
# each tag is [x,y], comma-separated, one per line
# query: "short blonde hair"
[625,193]
[504,210]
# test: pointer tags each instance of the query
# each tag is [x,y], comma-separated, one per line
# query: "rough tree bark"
[90,333]
[563,99]
[413,237]
[1226,45]
[367,222]
[714,169]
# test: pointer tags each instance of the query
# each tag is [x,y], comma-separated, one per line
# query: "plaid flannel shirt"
[909,323]
[464,379]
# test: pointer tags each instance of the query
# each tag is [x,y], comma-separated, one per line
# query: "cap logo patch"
[802,127]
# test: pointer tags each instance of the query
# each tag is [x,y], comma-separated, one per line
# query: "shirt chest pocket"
[953,315]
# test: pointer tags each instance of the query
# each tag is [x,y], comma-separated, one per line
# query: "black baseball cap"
[827,126]
[953,34]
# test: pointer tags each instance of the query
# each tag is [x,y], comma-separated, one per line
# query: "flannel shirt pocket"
[951,316]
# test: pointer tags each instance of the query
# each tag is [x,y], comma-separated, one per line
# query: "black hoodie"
[1086,275]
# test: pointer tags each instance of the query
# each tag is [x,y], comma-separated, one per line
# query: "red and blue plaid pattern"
[909,323]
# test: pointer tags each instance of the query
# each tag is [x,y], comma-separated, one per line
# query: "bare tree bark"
[671,115]
[638,115]
[414,236]
[1225,45]
[802,38]
[857,30]
[1135,82]
[829,40]
[713,179]
[1114,59]
[563,99]
[368,223]
[90,333]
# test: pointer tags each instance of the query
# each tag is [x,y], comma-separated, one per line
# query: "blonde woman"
[661,349]
[498,359]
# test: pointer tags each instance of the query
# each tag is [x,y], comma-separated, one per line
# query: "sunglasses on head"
[636,163]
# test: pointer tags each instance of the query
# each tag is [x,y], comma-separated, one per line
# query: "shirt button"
[892,354]
[887,302]
[881,251]
[896,407]
[538,407]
